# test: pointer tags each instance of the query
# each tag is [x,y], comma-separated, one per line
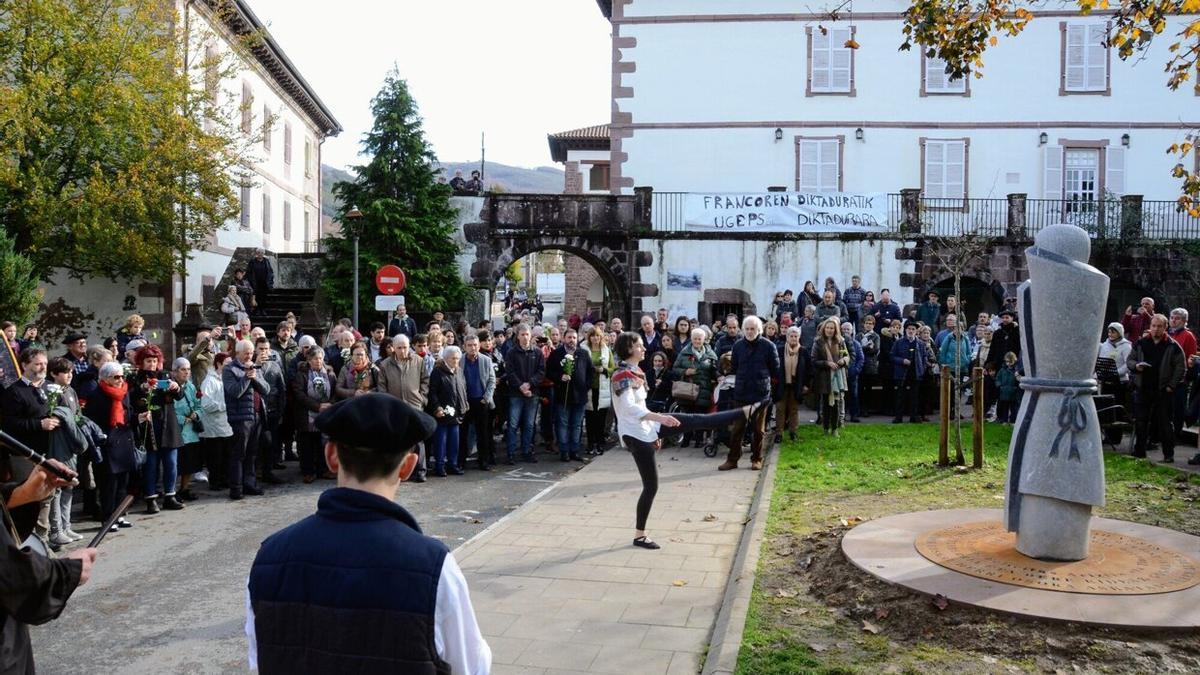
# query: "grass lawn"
[797,624]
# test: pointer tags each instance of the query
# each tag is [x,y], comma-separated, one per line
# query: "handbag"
[685,391]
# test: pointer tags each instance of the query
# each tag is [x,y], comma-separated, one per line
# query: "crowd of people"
[240,401]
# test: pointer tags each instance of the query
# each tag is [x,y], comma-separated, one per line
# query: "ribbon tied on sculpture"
[1072,418]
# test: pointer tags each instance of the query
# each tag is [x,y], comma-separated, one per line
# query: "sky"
[515,70]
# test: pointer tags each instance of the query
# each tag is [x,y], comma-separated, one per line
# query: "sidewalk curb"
[726,639]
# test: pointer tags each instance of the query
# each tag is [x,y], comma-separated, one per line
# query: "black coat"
[447,389]
[117,451]
[576,391]
[260,275]
[1005,339]
[36,589]
[22,409]
[167,434]
[756,363]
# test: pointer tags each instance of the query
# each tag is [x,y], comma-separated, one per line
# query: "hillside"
[542,180]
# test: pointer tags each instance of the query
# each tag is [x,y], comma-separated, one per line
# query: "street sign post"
[389,280]
[388,303]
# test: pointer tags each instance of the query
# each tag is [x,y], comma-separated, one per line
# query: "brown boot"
[756,465]
[728,465]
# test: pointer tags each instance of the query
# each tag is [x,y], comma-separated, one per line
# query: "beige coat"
[406,379]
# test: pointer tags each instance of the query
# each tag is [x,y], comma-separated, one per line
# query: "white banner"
[786,212]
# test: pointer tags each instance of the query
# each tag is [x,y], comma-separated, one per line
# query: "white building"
[280,206]
[724,95]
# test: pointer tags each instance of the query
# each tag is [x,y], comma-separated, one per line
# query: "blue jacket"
[239,392]
[755,364]
[889,313]
[857,358]
[946,353]
[912,350]
[359,563]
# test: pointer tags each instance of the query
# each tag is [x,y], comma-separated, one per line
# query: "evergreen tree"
[407,217]
[19,293]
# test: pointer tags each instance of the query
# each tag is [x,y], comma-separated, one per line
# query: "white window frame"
[934,147]
[1094,59]
[830,151]
[948,87]
[828,47]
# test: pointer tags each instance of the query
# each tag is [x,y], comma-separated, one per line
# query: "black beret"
[73,337]
[1009,312]
[379,422]
[912,324]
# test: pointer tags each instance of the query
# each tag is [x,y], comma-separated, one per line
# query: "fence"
[1108,219]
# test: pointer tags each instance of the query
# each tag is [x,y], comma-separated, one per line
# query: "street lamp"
[351,218]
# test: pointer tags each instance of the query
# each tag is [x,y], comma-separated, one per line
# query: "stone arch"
[495,255]
[981,291]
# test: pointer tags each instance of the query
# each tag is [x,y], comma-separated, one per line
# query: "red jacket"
[1187,341]
[1136,325]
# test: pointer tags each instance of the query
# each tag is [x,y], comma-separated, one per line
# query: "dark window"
[598,177]
[720,310]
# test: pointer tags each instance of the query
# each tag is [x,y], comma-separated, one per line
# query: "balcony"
[910,213]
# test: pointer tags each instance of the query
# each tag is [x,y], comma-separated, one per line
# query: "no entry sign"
[389,280]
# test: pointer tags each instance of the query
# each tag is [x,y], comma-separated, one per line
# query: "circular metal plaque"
[1117,565]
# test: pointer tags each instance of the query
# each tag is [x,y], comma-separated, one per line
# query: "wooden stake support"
[977,413]
[944,434]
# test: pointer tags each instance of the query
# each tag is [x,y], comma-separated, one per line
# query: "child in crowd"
[1008,381]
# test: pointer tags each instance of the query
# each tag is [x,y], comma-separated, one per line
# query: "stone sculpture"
[1055,462]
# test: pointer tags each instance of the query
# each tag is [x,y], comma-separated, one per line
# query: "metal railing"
[666,211]
[1103,219]
[949,217]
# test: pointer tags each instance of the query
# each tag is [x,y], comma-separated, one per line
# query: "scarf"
[116,416]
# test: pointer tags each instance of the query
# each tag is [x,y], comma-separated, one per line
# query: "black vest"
[350,589]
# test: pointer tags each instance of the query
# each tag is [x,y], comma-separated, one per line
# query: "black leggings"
[643,452]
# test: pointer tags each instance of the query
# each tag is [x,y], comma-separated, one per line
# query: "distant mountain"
[329,176]
[542,180]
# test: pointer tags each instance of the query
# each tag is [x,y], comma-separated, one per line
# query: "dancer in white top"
[640,429]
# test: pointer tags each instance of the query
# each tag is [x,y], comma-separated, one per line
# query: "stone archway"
[615,258]
[979,291]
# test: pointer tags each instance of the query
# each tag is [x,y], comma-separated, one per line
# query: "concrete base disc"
[1139,595]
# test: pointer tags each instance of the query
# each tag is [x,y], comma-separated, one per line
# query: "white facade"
[281,206]
[700,88]
[762,268]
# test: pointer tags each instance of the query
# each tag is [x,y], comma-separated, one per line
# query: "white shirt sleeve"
[456,634]
[251,639]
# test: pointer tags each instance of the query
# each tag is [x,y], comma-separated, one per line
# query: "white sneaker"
[73,534]
[60,539]
[201,476]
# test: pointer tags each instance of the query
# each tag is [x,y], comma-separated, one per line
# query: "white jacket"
[1120,353]
[212,407]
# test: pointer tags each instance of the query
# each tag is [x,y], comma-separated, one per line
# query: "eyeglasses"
[117,377]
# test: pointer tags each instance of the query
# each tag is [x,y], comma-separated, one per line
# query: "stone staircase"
[297,283]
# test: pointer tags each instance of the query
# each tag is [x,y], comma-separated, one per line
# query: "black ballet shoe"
[645,542]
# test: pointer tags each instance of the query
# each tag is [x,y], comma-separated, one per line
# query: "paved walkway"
[558,587]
